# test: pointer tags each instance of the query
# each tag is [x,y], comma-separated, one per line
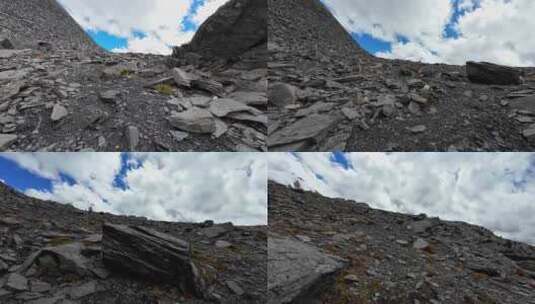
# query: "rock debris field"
[323,250]
[63,93]
[54,253]
[326,94]
[259,75]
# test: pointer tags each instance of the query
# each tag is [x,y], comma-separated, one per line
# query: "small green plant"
[58,241]
[125,73]
[164,89]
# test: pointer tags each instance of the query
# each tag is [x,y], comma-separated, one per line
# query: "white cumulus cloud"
[162,186]
[491,30]
[160,21]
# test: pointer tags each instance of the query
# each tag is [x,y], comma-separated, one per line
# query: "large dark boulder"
[236,28]
[492,74]
[150,254]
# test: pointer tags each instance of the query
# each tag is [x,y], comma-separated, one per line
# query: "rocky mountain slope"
[327,94]
[340,251]
[53,253]
[65,95]
[41,24]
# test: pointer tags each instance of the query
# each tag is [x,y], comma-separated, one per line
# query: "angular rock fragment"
[526,103]
[83,290]
[529,133]
[66,258]
[58,113]
[261,119]
[110,96]
[297,271]
[150,254]
[132,136]
[235,28]
[17,282]
[6,44]
[5,54]
[250,98]
[199,101]
[303,129]
[282,95]
[6,140]
[492,74]
[181,78]
[223,107]
[194,120]
[217,230]
[14,74]
[208,85]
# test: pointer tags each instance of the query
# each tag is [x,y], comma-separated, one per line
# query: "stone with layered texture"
[194,120]
[297,271]
[150,254]
[488,73]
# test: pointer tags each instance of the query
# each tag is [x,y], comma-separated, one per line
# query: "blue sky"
[493,190]
[376,45]
[23,179]
[111,42]
[446,31]
[162,186]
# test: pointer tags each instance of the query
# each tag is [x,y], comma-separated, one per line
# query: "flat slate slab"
[297,271]
[306,128]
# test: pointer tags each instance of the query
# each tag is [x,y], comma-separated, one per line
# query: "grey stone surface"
[16,282]
[236,27]
[305,128]
[194,120]
[298,272]
[488,73]
[151,254]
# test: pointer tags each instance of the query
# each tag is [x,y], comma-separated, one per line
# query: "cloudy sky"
[451,31]
[494,190]
[163,186]
[146,26]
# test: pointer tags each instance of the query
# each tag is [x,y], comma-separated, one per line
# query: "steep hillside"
[341,251]
[54,97]
[53,253]
[42,23]
[327,94]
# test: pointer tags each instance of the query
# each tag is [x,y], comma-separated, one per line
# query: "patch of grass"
[58,241]
[125,73]
[164,89]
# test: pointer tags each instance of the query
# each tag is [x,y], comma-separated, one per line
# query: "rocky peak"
[42,24]
[236,28]
[307,26]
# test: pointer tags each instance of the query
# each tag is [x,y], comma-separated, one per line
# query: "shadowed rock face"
[237,27]
[34,23]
